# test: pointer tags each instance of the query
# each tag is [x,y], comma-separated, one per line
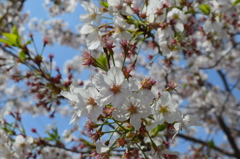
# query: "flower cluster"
[132,102]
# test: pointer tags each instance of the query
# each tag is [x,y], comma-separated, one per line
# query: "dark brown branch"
[15,56]
[231,140]
[224,80]
[192,139]
[217,62]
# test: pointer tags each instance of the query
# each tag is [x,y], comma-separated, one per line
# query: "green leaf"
[104,4]
[5,42]
[15,31]
[236,2]
[158,129]
[211,144]
[51,135]
[22,56]
[12,38]
[205,8]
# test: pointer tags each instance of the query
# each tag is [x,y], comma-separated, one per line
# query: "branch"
[217,62]
[231,140]
[205,144]
[15,56]
[224,80]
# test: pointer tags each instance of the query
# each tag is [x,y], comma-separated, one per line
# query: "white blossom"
[93,15]
[113,87]
[93,39]
[135,108]
[164,109]
[120,29]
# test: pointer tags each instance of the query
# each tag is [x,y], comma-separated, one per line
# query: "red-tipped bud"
[30,35]
[51,56]
[88,60]
[33,130]
[45,41]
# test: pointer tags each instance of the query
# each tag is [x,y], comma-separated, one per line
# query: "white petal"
[104,98]
[159,118]
[115,3]
[71,97]
[116,75]
[88,28]
[101,148]
[118,99]
[74,116]
[101,81]
[85,18]
[179,27]
[95,112]
[178,126]
[120,114]
[171,117]
[135,120]
[93,45]
[133,84]
[165,99]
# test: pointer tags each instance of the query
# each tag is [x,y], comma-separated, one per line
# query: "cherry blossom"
[113,87]
[87,103]
[72,95]
[119,6]
[93,15]
[178,18]
[121,28]
[23,146]
[135,108]
[94,36]
[164,109]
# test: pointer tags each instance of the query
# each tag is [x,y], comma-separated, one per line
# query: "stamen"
[115,88]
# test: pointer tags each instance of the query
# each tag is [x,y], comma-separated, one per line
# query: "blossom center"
[73,103]
[22,145]
[93,15]
[132,109]
[115,88]
[164,109]
[175,16]
[118,29]
[91,101]
[118,7]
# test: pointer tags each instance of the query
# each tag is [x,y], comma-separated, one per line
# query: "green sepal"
[102,62]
